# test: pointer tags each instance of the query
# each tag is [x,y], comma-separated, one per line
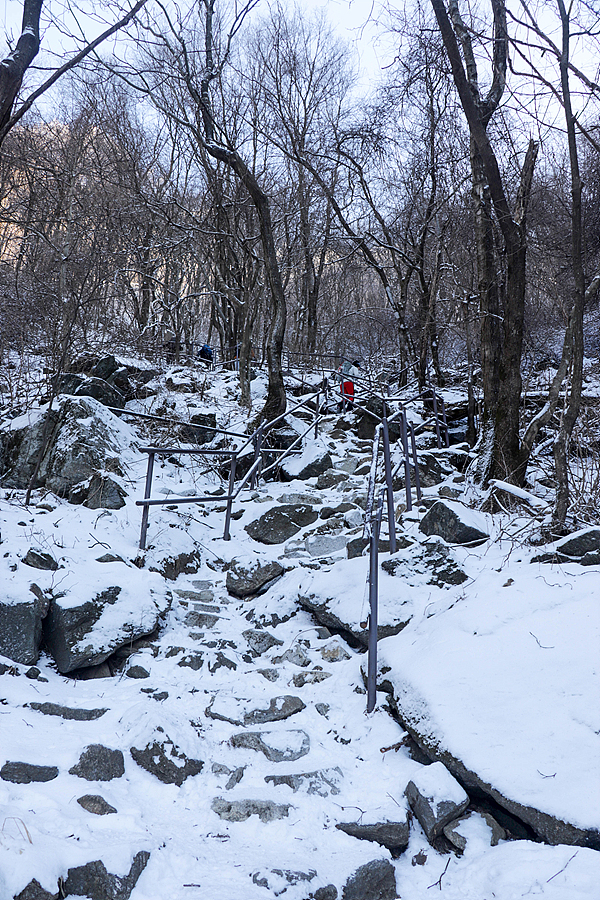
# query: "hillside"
[189,720]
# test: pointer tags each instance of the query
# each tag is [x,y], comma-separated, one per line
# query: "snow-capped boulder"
[247,579]
[376,880]
[310,464]
[94,881]
[436,798]
[82,631]
[281,523]
[82,439]
[455,523]
[22,612]
[105,393]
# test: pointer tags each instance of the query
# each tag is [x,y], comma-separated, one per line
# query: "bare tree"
[502,305]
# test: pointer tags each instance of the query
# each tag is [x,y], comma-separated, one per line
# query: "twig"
[545,776]
[564,867]
[396,747]
[543,647]
[439,881]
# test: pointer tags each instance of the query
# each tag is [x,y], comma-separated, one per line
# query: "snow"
[502,670]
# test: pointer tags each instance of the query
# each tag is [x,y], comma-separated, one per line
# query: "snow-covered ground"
[508,661]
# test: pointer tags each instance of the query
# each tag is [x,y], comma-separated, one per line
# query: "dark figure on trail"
[206,354]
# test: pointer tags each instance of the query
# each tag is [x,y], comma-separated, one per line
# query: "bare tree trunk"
[561,446]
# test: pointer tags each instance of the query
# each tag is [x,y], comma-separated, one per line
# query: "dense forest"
[219,174]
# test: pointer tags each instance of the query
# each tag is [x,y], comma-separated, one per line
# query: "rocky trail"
[189,721]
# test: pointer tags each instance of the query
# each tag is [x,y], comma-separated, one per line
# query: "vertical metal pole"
[446,435]
[437,419]
[257,444]
[415,460]
[406,461]
[388,480]
[226,535]
[147,493]
[373,590]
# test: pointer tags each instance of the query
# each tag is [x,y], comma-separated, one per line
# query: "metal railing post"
[147,493]
[404,434]
[226,535]
[415,460]
[257,442]
[373,592]
[388,480]
[437,419]
[446,435]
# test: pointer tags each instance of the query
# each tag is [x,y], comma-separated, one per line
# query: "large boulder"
[455,523]
[21,615]
[313,462]
[94,881]
[248,579]
[81,439]
[281,523]
[201,430]
[102,391]
[376,880]
[82,631]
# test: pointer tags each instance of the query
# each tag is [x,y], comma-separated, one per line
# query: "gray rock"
[99,763]
[334,653]
[290,469]
[281,523]
[327,892]
[39,560]
[67,712]
[102,391]
[436,798]
[393,835]
[278,709]
[376,880]
[104,493]
[74,634]
[331,479]
[67,383]
[105,367]
[25,773]
[581,542]
[34,891]
[274,748]
[316,676]
[325,544]
[322,782]
[296,655]
[95,882]
[20,449]
[240,810]
[324,615]
[245,581]
[95,804]
[201,430]
[264,879]
[452,831]
[453,522]
[21,621]
[260,641]
[137,672]
[433,558]
[81,439]
[166,762]
[171,567]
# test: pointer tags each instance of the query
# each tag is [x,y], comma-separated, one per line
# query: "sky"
[356,21]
